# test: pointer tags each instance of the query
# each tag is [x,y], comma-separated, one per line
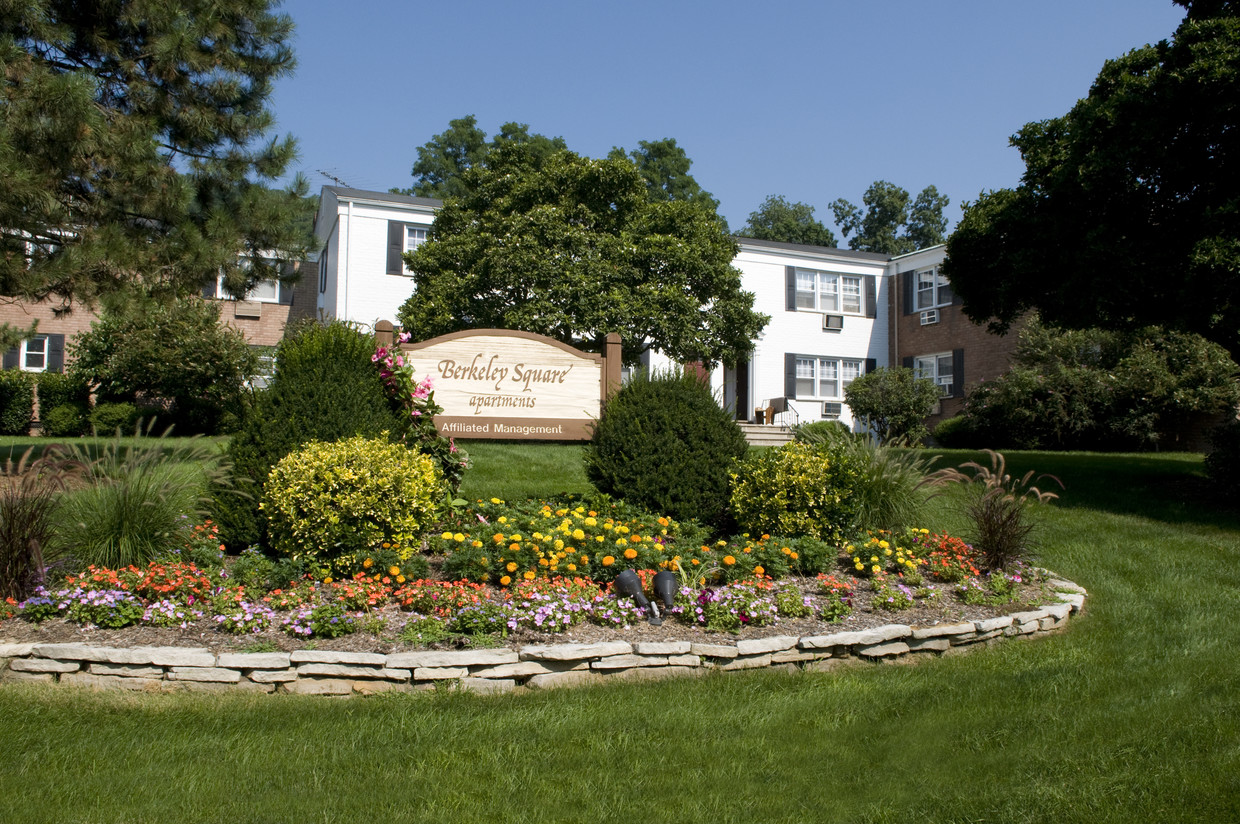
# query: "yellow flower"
[559,544]
[579,534]
[458,537]
[859,566]
[620,542]
[327,580]
[367,564]
[512,566]
[529,576]
[503,519]
[477,543]
[630,554]
[572,567]
[505,580]
[758,570]
[496,501]
[590,522]
[585,559]
[447,536]
[542,561]
[393,570]
[875,569]
[400,579]
[608,560]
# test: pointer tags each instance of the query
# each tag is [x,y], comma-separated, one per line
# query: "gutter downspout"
[348,250]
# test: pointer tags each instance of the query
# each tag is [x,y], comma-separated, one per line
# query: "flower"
[393,570]
[505,580]
[512,566]
[529,576]
[368,563]
[608,560]
[630,553]
[758,570]
[728,560]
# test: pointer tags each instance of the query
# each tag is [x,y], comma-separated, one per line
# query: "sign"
[502,384]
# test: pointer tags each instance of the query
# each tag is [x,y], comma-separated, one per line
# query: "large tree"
[133,149]
[665,168]
[573,248]
[1128,213]
[777,219]
[444,159]
[892,223]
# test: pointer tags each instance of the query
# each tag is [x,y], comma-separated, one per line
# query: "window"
[322,271]
[266,366]
[937,368]
[932,289]
[34,354]
[415,236]
[825,377]
[827,292]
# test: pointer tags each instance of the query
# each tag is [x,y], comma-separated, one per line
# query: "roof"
[344,193]
[805,248]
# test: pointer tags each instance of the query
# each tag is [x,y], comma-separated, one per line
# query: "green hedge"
[16,402]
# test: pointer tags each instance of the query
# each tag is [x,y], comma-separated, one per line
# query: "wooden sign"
[502,384]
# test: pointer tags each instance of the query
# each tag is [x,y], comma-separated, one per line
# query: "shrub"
[818,431]
[998,506]
[956,433]
[1223,459]
[324,388]
[16,402]
[60,388]
[665,444]
[893,402]
[331,500]
[136,499]
[65,421]
[107,418]
[27,519]
[795,490]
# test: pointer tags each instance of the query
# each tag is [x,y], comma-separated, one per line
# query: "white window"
[828,292]
[932,289]
[937,368]
[266,367]
[265,291]
[415,236]
[34,354]
[825,377]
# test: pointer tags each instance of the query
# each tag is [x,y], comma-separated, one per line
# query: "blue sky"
[809,100]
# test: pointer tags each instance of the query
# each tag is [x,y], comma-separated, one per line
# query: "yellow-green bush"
[327,501]
[797,490]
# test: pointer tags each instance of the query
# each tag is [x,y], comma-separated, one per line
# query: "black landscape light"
[666,584]
[627,583]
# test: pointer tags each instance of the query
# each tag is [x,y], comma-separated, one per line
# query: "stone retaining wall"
[314,672]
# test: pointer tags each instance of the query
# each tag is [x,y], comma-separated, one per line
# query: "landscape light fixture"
[666,584]
[628,584]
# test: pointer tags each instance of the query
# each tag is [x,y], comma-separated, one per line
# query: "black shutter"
[790,375]
[790,283]
[957,373]
[907,362]
[908,293]
[286,293]
[12,357]
[870,365]
[871,296]
[396,247]
[55,353]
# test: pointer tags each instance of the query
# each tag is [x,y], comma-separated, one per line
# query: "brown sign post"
[503,384]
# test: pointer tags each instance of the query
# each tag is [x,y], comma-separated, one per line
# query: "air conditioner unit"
[832,410]
[832,323]
[929,316]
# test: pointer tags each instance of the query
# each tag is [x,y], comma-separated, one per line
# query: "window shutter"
[55,353]
[396,247]
[12,357]
[790,375]
[957,373]
[790,283]
[907,362]
[209,289]
[870,365]
[908,293]
[871,296]
[286,293]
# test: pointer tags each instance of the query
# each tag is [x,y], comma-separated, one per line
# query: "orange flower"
[393,570]
[529,576]
[368,563]
[630,553]
[512,566]
[728,560]
[608,560]
[505,580]
[758,570]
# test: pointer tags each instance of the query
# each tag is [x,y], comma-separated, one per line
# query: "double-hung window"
[828,292]
[937,368]
[932,289]
[34,354]
[825,377]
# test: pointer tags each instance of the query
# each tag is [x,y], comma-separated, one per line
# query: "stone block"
[452,658]
[439,673]
[629,661]
[522,669]
[254,660]
[314,656]
[791,656]
[111,682]
[884,650]
[929,644]
[319,686]
[217,674]
[574,652]
[991,624]
[775,643]
[18,677]
[653,673]
[272,676]
[714,650]
[346,671]
[1076,602]
[573,678]
[74,652]
[939,630]
[747,662]
[126,670]
[662,647]
[684,660]
[864,637]
[375,687]
[43,665]
[487,685]
[15,650]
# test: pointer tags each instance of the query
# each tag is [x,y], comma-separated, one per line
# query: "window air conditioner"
[929,316]
[832,323]
[832,410]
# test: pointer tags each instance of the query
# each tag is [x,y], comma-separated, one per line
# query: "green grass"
[1131,715]
[517,470]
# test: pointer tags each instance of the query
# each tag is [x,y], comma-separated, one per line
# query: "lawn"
[1133,714]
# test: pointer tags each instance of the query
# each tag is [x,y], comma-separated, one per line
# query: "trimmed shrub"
[107,418]
[893,402]
[324,388]
[61,389]
[67,420]
[16,402]
[1223,459]
[956,433]
[329,501]
[663,443]
[798,490]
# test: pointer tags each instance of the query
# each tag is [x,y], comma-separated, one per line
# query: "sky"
[813,101]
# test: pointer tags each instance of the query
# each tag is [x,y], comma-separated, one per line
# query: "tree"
[893,402]
[777,219]
[174,355]
[665,168]
[131,148]
[444,159]
[573,248]
[1126,212]
[889,209]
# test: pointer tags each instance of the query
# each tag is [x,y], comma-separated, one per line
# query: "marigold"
[394,570]
[758,570]
[630,553]
[529,576]
[514,547]
[608,560]
[728,560]
[367,564]
[512,566]
[505,580]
